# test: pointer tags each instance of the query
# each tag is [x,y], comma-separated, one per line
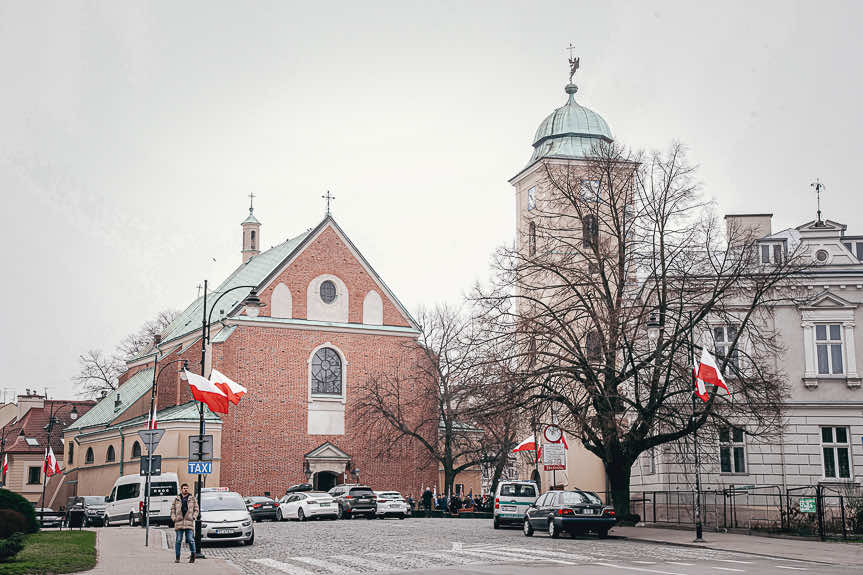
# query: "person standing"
[427,500]
[184,512]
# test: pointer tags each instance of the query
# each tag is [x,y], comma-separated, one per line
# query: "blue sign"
[200,467]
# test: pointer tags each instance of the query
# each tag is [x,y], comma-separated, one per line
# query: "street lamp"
[49,427]
[252,304]
[307,472]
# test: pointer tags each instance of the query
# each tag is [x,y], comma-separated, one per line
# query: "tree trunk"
[499,466]
[618,473]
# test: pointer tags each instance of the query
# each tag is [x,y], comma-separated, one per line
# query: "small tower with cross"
[251,232]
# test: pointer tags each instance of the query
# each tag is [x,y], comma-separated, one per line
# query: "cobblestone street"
[473,546]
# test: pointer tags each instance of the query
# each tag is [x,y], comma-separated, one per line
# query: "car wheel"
[527,528]
[250,540]
[602,533]
[496,523]
[402,516]
[106,522]
[340,514]
[301,514]
[553,531]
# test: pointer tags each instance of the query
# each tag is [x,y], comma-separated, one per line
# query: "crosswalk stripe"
[520,557]
[446,556]
[735,561]
[789,567]
[331,567]
[283,567]
[567,556]
[728,569]
[681,563]
[644,562]
[365,562]
[642,569]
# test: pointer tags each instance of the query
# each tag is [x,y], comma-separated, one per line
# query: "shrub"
[13,501]
[11,522]
[10,546]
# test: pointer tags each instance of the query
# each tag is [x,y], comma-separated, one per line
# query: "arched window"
[326,372]
[531,239]
[71,452]
[136,450]
[589,231]
[89,457]
[110,455]
[253,239]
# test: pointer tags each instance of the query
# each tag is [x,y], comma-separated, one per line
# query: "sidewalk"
[121,550]
[833,553]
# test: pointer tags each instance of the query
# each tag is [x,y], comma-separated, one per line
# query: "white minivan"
[511,501]
[125,504]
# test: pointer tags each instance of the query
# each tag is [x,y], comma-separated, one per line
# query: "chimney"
[157,339]
[117,403]
[748,226]
[28,402]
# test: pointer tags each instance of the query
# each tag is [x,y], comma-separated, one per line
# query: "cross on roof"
[573,62]
[251,202]
[819,187]
[329,197]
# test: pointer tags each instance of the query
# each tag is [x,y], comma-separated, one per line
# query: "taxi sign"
[200,467]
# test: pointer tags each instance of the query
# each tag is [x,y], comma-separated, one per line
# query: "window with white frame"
[723,338]
[828,348]
[835,449]
[650,461]
[732,450]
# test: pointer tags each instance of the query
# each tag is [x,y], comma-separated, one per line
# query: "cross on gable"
[329,197]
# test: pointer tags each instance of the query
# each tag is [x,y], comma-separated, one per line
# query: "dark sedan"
[262,508]
[576,512]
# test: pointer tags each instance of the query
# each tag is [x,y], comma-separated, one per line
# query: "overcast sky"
[131,134]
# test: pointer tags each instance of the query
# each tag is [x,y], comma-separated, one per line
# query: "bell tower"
[251,233]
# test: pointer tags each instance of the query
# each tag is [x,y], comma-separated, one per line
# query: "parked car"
[224,517]
[93,507]
[299,487]
[391,504]
[126,502]
[261,508]
[307,505]
[576,512]
[47,517]
[511,500]
[354,499]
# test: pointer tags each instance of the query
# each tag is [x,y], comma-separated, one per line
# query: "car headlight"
[247,523]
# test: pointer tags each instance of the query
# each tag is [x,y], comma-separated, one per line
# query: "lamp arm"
[213,307]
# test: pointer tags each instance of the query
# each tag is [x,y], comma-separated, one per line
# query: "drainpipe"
[122,450]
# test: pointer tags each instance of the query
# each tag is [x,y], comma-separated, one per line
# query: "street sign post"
[151,437]
[200,448]
[553,457]
[155,465]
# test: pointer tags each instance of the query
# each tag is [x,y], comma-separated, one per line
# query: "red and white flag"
[204,390]
[5,464]
[51,465]
[231,388]
[706,371]
[151,424]
[528,444]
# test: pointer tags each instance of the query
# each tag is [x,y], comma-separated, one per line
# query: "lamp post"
[655,325]
[49,427]
[156,374]
[252,304]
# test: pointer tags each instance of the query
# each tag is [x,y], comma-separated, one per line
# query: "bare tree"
[617,244]
[142,339]
[430,397]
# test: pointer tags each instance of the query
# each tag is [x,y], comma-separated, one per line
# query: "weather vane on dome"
[573,62]
[819,187]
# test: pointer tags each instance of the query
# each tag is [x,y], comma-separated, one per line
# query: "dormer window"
[771,253]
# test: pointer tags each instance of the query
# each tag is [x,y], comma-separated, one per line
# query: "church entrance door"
[325,480]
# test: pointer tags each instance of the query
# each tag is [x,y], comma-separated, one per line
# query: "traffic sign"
[807,505]
[155,467]
[151,437]
[200,449]
[553,457]
[200,467]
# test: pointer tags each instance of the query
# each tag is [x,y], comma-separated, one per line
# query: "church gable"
[327,279]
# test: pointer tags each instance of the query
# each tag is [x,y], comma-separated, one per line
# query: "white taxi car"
[224,517]
[391,504]
[307,505]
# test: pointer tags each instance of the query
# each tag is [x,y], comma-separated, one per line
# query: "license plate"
[324,504]
[224,530]
[587,511]
[508,508]
[268,507]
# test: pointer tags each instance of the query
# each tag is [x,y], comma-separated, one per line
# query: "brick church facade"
[328,322]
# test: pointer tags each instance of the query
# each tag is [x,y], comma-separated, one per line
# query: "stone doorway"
[325,480]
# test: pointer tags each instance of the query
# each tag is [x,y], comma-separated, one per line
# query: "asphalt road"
[472,546]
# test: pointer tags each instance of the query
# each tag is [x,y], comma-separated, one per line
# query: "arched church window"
[531,239]
[136,450]
[589,231]
[328,291]
[110,456]
[326,372]
[253,239]
[71,453]
[89,457]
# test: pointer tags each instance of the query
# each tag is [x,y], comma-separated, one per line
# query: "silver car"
[224,517]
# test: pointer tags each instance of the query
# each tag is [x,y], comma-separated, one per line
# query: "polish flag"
[204,390]
[151,424]
[528,445]
[5,464]
[232,389]
[708,372]
[51,465]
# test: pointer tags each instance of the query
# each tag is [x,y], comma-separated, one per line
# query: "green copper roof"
[103,412]
[571,131]
[251,219]
[186,412]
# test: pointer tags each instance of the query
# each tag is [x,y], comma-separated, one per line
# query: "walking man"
[184,511]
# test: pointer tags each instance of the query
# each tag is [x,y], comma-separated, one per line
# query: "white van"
[126,502]
[511,501]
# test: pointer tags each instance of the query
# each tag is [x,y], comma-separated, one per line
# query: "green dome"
[570,131]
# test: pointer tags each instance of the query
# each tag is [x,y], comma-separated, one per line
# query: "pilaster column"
[850,351]
[811,370]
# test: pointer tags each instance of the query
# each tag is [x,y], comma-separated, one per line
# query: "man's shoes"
[192,558]
[177,560]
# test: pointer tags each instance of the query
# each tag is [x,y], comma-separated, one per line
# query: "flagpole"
[698,526]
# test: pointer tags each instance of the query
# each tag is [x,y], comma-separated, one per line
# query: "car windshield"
[392,495]
[517,490]
[578,498]
[93,500]
[592,497]
[259,499]
[222,502]
[361,491]
[319,495]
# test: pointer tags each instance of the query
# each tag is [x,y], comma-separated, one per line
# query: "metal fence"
[813,510]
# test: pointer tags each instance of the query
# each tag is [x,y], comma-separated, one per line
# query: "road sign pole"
[147,498]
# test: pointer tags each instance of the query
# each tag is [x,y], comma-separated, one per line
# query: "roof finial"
[573,62]
[818,188]
[328,197]
[251,202]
